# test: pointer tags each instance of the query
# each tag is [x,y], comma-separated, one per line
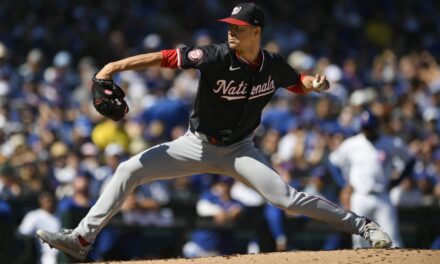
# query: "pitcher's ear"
[258,30]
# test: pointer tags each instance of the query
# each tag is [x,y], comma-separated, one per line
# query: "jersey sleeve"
[401,150]
[169,59]
[27,225]
[288,77]
[339,156]
[202,58]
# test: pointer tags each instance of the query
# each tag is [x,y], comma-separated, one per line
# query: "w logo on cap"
[236,10]
[246,14]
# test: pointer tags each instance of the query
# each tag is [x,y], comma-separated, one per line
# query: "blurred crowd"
[380,55]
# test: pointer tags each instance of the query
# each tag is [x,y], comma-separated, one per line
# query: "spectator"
[42,217]
[11,187]
[80,199]
[406,194]
[437,167]
[144,207]
[219,239]
[89,157]
[107,132]
[163,116]
[9,80]
[5,211]
[32,70]
[114,153]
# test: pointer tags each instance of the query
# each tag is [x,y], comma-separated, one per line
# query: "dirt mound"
[358,256]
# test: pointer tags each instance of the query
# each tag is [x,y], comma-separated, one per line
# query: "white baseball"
[316,85]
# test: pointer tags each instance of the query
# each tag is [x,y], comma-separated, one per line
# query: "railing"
[418,229]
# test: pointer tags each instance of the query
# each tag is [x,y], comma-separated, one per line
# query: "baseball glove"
[108,99]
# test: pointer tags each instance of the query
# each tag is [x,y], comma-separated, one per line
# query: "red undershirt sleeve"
[297,88]
[169,59]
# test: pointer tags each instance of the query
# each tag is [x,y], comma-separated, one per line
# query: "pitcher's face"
[243,37]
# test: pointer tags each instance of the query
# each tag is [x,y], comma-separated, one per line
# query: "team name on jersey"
[234,91]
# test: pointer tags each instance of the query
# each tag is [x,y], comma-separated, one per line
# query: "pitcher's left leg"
[253,168]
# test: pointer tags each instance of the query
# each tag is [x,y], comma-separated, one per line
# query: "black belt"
[375,193]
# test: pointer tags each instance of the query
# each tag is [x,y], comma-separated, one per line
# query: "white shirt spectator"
[286,146]
[246,195]
[41,219]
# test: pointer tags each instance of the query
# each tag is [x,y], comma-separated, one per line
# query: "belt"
[375,193]
[210,139]
[207,138]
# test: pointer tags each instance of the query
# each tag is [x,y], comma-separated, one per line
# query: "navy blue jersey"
[230,96]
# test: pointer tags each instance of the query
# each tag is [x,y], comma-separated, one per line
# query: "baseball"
[316,85]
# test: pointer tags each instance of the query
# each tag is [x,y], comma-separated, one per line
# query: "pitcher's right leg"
[181,157]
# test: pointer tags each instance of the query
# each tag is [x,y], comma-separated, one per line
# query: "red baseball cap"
[246,14]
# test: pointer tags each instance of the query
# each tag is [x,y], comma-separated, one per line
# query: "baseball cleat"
[65,241]
[375,235]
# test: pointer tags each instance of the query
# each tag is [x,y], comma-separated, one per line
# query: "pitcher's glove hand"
[108,99]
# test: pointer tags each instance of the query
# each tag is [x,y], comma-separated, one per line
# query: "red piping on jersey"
[170,59]
[256,64]
[298,88]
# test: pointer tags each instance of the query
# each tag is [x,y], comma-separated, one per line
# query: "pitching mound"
[359,256]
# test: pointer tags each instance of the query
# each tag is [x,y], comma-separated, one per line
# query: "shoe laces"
[65,231]
[367,230]
[369,227]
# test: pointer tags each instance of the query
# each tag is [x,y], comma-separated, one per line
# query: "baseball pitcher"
[237,80]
